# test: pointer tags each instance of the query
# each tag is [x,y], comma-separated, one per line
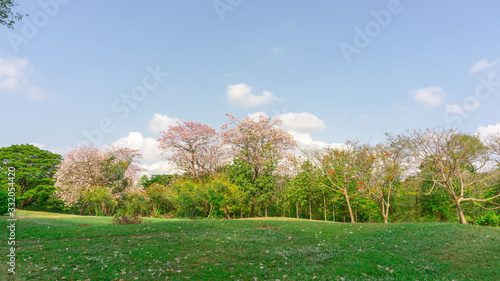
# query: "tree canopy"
[34,172]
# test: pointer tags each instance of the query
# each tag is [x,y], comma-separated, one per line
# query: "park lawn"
[64,247]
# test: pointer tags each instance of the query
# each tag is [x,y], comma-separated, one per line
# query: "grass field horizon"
[52,246]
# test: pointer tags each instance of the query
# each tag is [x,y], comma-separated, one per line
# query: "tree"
[342,168]
[34,170]
[7,17]
[85,168]
[261,144]
[196,149]
[159,179]
[458,163]
[382,170]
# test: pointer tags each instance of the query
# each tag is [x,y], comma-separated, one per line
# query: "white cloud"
[13,78]
[152,160]
[39,145]
[430,96]
[483,64]
[146,145]
[258,115]
[305,141]
[160,168]
[485,131]
[300,122]
[454,108]
[36,94]
[161,122]
[240,95]
[276,50]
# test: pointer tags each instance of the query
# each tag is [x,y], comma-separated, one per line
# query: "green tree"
[35,169]
[256,189]
[7,16]
[457,163]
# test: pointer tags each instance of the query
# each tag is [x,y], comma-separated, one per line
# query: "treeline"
[248,169]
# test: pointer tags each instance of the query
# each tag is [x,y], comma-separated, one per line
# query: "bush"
[4,201]
[125,220]
[489,219]
[101,200]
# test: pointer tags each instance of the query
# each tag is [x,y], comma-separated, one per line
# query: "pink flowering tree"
[195,148]
[260,147]
[85,168]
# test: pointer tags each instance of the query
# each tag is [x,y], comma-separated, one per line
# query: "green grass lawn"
[63,247]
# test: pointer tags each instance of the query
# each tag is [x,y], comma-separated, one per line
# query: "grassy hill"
[64,247]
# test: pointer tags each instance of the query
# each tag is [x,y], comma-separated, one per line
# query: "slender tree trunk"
[310,213]
[83,208]
[265,214]
[297,208]
[241,212]
[324,204]
[349,206]
[461,216]
[252,208]
[333,212]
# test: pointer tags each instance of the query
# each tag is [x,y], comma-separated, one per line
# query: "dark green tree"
[34,172]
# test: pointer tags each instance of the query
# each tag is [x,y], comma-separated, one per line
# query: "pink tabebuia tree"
[260,143]
[196,148]
[86,167]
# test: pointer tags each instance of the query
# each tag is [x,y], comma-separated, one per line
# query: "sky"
[120,72]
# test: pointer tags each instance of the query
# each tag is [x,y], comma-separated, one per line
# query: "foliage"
[34,172]
[489,219]
[457,163]
[159,198]
[7,16]
[100,199]
[187,197]
[126,220]
[261,148]
[195,149]
[137,203]
[86,167]
[221,195]
[159,179]
[4,201]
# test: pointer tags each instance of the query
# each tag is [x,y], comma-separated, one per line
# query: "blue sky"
[332,70]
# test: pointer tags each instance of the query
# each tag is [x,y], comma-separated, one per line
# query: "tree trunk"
[241,212]
[83,208]
[333,212]
[349,206]
[310,213]
[252,208]
[461,216]
[265,214]
[324,204]
[297,208]
[226,212]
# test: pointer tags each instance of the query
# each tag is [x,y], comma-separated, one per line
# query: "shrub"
[4,201]
[137,203]
[101,200]
[125,220]
[187,197]
[489,219]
